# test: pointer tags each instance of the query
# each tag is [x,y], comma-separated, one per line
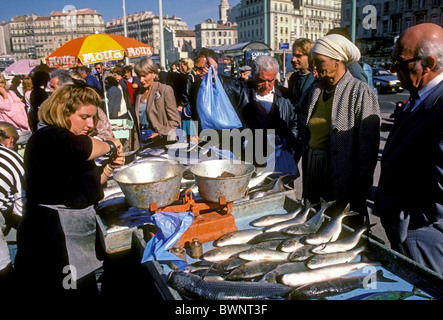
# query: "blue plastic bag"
[281,160]
[172,225]
[213,105]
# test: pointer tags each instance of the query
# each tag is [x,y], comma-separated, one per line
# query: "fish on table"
[271,219]
[222,253]
[194,287]
[237,237]
[301,254]
[324,289]
[254,254]
[287,267]
[322,260]
[252,269]
[332,230]
[292,244]
[322,274]
[268,236]
[297,220]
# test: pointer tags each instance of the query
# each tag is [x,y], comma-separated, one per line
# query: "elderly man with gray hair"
[342,131]
[266,108]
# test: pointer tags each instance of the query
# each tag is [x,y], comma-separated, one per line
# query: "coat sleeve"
[172,115]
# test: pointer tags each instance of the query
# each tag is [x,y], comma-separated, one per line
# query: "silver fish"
[268,236]
[252,269]
[272,244]
[255,254]
[333,287]
[271,219]
[259,178]
[223,253]
[194,287]
[321,274]
[341,245]
[288,267]
[299,219]
[292,244]
[301,254]
[313,224]
[231,263]
[331,231]
[323,260]
[237,237]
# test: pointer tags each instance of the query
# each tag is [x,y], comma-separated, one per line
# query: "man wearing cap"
[341,118]
[245,73]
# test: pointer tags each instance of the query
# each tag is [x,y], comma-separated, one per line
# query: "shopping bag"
[213,105]
[281,160]
[172,225]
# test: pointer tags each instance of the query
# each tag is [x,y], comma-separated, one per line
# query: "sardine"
[331,231]
[292,244]
[223,253]
[323,260]
[252,269]
[255,254]
[321,274]
[341,245]
[237,237]
[299,219]
[313,224]
[268,236]
[288,267]
[271,219]
[301,254]
[194,287]
[333,287]
[259,178]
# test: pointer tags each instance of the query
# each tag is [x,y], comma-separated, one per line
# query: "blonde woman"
[64,185]
[155,107]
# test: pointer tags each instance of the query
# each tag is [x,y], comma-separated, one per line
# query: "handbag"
[213,105]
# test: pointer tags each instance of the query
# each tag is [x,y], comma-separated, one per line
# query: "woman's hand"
[119,160]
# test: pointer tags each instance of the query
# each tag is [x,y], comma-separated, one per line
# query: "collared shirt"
[425,92]
[266,101]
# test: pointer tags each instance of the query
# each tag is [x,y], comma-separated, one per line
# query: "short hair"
[432,48]
[84,69]
[27,84]
[40,78]
[7,130]
[188,63]
[118,71]
[64,76]
[65,101]
[265,63]
[145,65]
[111,81]
[127,69]
[304,44]
[205,53]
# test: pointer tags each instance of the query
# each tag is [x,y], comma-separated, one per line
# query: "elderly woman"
[56,237]
[342,130]
[155,107]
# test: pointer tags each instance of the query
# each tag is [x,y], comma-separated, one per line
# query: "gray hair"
[432,48]
[145,65]
[265,63]
[64,76]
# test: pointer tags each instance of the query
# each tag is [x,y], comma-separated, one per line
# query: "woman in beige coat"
[156,114]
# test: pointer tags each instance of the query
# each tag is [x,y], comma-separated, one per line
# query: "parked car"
[385,82]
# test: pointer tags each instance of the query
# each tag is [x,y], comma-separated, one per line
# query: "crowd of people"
[326,122]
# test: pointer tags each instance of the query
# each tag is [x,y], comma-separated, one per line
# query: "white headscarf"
[337,47]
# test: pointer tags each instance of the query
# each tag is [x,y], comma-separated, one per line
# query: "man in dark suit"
[410,191]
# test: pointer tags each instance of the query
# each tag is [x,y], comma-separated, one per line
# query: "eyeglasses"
[397,64]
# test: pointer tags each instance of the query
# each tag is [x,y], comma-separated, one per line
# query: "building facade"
[211,33]
[32,36]
[145,27]
[283,21]
[380,22]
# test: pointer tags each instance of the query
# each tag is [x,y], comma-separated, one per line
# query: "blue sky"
[191,11]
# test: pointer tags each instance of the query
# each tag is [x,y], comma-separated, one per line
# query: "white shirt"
[426,91]
[266,101]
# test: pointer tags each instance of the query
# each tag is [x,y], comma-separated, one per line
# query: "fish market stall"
[270,246]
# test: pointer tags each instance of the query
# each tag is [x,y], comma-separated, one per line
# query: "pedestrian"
[156,115]
[90,79]
[12,109]
[12,197]
[203,60]
[100,75]
[116,102]
[173,74]
[102,129]
[56,238]
[410,189]
[245,73]
[14,87]
[341,131]
[267,109]
[118,75]
[133,83]
[162,75]
[38,95]
[27,89]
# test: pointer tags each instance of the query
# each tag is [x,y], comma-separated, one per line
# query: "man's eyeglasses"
[397,64]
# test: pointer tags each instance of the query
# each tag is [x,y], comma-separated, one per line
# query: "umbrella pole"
[105,97]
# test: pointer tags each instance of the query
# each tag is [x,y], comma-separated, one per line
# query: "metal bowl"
[150,182]
[212,185]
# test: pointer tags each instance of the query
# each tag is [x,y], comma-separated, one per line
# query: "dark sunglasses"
[397,64]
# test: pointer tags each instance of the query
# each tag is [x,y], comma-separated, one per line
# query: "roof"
[185,33]
[79,11]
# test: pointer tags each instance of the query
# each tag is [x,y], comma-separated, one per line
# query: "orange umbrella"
[97,48]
